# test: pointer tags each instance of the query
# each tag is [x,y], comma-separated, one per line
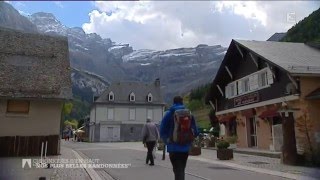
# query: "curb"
[258,170]
[241,167]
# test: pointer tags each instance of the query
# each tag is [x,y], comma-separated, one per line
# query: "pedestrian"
[65,134]
[150,136]
[75,136]
[178,122]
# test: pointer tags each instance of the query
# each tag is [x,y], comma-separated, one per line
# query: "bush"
[223,144]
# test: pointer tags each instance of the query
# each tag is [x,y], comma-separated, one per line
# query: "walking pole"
[164,152]
[45,150]
[41,152]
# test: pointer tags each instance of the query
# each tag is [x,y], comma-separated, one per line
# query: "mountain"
[307,30]
[277,37]
[11,18]
[86,84]
[179,69]
[87,51]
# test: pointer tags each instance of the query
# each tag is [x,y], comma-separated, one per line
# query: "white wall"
[43,119]
[121,113]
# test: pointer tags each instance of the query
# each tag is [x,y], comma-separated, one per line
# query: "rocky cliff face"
[86,84]
[11,18]
[179,69]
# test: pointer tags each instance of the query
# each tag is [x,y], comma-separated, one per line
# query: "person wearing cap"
[150,136]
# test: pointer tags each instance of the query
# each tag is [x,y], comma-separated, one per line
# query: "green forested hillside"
[195,102]
[307,30]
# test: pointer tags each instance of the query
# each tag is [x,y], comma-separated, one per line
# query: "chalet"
[121,111]
[268,95]
[34,83]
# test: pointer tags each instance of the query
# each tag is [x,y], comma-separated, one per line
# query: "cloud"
[58,3]
[19,4]
[162,25]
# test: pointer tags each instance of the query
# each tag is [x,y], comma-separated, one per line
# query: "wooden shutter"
[255,83]
[235,89]
[240,87]
[132,114]
[251,83]
[18,106]
[110,113]
[227,91]
[270,76]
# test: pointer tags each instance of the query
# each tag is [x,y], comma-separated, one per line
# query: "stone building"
[121,111]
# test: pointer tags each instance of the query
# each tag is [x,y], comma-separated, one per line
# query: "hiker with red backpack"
[178,129]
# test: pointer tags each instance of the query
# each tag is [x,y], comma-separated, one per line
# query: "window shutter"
[270,76]
[235,89]
[227,91]
[255,81]
[251,83]
[239,87]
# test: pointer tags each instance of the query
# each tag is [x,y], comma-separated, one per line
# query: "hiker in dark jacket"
[178,153]
[150,136]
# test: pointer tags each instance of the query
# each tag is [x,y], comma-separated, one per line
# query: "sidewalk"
[253,163]
[11,168]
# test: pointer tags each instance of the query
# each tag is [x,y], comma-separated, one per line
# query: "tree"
[72,123]
[67,107]
[305,125]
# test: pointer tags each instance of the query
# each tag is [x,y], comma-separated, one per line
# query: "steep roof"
[296,58]
[34,66]
[141,90]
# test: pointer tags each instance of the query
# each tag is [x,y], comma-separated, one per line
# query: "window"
[149,97]
[250,83]
[263,79]
[111,96]
[132,97]
[231,90]
[110,113]
[18,106]
[246,85]
[131,130]
[150,113]
[132,114]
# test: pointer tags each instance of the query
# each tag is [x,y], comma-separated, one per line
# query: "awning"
[227,118]
[314,95]
[249,112]
[269,113]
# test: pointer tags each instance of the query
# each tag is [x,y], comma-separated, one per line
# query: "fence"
[27,145]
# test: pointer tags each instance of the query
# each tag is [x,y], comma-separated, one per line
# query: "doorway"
[109,133]
[252,132]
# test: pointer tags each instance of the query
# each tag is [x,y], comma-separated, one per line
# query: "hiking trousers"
[150,146]
[179,162]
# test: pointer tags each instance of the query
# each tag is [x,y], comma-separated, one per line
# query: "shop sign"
[246,99]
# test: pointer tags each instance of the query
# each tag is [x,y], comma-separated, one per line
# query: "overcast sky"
[171,24]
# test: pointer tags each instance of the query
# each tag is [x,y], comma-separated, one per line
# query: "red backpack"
[182,131]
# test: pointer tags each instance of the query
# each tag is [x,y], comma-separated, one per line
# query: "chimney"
[157,82]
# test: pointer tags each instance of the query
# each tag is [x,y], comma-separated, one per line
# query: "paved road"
[196,170]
